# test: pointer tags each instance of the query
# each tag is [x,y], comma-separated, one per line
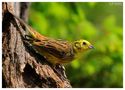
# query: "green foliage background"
[99,23]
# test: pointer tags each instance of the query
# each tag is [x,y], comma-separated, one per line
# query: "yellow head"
[82,45]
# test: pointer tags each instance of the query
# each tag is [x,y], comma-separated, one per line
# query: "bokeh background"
[100,23]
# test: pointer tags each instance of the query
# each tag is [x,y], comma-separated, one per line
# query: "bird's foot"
[60,70]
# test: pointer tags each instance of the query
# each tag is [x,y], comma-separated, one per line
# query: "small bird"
[60,52]
[55,51]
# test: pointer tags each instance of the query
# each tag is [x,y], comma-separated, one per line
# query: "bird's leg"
[60,70]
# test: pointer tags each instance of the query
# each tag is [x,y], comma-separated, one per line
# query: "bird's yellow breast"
[54,60]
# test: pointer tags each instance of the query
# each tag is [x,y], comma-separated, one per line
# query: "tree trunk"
[21,65]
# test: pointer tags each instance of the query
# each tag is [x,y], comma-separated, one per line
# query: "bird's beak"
[91,47]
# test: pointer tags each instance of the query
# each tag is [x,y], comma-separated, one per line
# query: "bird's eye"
[84,43]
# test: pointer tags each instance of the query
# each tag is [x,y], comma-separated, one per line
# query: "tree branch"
[21,65]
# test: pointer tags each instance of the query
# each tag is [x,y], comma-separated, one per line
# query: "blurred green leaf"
[101,23]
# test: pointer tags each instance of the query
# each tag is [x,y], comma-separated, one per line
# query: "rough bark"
[21,65]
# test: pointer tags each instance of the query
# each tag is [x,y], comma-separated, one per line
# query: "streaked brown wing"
[57,48]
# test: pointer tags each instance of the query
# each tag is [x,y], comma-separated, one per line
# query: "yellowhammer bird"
[55,51]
